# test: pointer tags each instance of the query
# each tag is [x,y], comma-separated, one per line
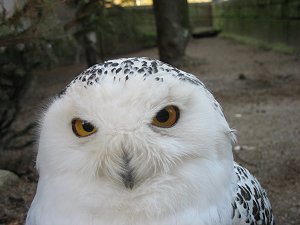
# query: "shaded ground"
[260,93]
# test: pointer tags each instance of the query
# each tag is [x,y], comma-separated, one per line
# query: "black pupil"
[162,116]
[87,127]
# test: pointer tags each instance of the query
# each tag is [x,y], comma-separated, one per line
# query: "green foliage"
[36,27]
[119,33]
[272,24]
[16,68]
[117,29]
[259,43]
[26,41]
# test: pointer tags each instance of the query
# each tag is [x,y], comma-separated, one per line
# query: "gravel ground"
[260,94]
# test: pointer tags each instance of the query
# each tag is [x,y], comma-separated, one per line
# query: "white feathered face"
[130,120]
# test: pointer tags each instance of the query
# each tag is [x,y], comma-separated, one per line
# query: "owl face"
[128,121]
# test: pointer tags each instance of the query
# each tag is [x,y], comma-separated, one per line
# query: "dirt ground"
[260,94]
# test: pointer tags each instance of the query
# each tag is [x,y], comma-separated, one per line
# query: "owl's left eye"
[82,128]
[167,117]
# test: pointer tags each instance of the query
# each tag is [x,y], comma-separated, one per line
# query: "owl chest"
[188,216]
[146,210]
[91,203]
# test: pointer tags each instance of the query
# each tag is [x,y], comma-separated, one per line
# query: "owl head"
[130,121]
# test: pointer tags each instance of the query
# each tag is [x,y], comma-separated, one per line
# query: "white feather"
[183,174]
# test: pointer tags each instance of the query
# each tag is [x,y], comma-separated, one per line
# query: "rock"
[7,178]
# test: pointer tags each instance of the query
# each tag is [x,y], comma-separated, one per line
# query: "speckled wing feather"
[251,205]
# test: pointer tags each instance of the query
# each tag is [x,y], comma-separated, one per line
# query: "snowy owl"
[137,141]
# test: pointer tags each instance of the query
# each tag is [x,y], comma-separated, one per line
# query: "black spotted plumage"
[121,70]
[251,204]
[134,66]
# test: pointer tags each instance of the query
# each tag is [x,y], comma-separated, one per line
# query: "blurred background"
[247,52]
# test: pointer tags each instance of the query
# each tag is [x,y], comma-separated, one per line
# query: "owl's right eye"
[82,128]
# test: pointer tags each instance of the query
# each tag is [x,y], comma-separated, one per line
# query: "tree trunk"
[172,24]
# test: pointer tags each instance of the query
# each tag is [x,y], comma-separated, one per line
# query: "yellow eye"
[167,117]
[82,128]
